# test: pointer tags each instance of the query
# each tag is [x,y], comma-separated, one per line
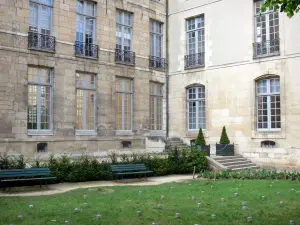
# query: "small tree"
[200,140]
[224,140]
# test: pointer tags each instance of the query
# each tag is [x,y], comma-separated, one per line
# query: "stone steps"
[235,163]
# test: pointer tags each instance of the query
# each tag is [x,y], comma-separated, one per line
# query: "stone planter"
[225,150]
[205,148]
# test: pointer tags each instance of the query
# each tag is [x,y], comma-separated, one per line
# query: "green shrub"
[200,140]
[252,174]
[224,140]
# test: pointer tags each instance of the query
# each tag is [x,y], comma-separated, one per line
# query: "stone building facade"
[232,66]
[64,86]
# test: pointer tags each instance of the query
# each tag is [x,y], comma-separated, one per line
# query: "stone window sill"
[124,132]
[268,135]
[39,133]
[157,133]
[86,133]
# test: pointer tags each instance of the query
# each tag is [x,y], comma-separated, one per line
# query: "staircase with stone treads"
[235,163]
[174,142]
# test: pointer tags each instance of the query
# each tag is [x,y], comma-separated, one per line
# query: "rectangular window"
[39,114]
[85,28]
[124,30]
[196,108]
[124,104]
[156,45]
[85,102]
[268,104]
[266,31]
[40,25]
[195,42]
[124,52]
[156,103]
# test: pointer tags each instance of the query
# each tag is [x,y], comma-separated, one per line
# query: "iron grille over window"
[86,49]
[124,57]
[267,41]
[41,42]
[195,43]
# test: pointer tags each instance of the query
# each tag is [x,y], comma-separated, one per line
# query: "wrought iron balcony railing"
[41,42]
[86,50]
[266,48]
[194,60]
[124,57]
[157,63]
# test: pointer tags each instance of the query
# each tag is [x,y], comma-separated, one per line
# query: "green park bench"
[130,169]
[9,178]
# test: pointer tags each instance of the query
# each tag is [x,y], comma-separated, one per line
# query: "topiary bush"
[200,140]
[224,140]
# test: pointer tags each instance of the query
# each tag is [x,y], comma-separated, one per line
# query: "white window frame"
[85,88]
[197,100]
[155,95]
[156,36]
[268,95]
[39,84]
[123,92]
[195,30]
[267,14]
[40,4]
[85,18]
[123,25]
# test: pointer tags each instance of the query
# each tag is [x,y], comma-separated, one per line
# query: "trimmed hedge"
[252,174]
[90,169]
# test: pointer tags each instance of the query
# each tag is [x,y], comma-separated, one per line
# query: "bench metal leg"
[146,177]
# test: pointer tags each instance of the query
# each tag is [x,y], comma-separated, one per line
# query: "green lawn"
[118,205]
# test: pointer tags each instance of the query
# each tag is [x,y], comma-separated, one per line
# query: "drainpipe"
[167,69]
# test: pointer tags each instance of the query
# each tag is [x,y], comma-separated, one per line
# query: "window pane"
[79,109]
[118,111]
[32,108]
[39,98]
[90,110]
[33,14]
[152,115]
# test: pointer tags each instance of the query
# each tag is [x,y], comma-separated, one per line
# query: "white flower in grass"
[193,198]
[139,213]
[278,193]
[20,217]
[140,192]
[198,204]
[263,197]
[292,222]
[213,216]
[249,219]
[30,206]
[85,196]
[76,210]
[162,197]
[153,223]
[67,222]
[98,216]
[222,199]
[85,204]
[244,203]
[244,207]
[236,194]
[177,215]
[281,202]
[159,206]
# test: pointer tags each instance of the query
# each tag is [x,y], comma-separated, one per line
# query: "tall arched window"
[196,108]
[268,104]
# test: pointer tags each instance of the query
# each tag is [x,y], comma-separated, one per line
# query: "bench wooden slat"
[42,178]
